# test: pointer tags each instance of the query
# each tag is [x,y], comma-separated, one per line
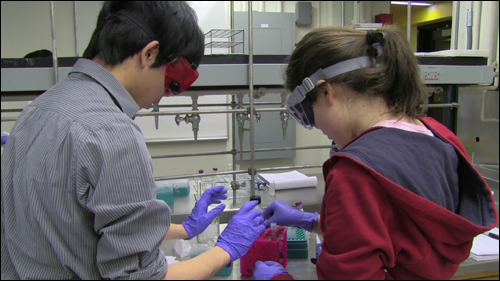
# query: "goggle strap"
[345,66]
[337,69]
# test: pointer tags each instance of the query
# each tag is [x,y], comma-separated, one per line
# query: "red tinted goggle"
[179,75]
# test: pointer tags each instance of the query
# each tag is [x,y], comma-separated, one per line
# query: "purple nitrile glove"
[199,219]
[283,214]
[267,270]
[241,231]
[5,136]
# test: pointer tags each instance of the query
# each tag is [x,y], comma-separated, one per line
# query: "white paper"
[493,230]
[182,248]
[485,247]
[171,260]
[289,180]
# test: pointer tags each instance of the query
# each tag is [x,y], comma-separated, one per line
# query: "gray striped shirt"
[78,193]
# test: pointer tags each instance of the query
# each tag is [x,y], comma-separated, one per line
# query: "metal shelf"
[222,33]
[222,44]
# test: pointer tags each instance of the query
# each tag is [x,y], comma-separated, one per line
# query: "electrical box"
[273,33]
[303,13]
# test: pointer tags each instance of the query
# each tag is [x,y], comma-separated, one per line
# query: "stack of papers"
[484,247]
[289,180]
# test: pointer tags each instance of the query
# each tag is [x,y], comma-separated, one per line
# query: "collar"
[102,76]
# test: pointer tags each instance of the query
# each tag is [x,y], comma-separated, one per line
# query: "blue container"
[166,194]
[225,271]
[200,248]
[180,188]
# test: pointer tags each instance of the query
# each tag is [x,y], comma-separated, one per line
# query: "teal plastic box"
[198,249]
[297,247]
[225,271]
[180,188]
[166,194]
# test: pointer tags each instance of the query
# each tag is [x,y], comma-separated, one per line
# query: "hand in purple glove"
[242,231]
[5,136]
[267,270]
[199,219]
[286,215]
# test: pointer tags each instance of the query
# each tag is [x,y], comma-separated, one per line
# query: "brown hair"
[394,75]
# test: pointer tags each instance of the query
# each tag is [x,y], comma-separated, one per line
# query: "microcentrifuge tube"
[274,229]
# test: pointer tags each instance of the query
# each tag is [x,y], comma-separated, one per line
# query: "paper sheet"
[289,180]
[485,247]
[171,259]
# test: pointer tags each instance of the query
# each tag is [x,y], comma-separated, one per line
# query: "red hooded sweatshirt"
[401,205]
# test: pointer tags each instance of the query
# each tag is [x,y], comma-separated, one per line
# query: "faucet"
[284,122]
[194,118]
[240,119]
[156,108]
[284,115]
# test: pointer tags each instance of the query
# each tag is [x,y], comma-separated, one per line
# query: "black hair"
[122,31]
[43,53]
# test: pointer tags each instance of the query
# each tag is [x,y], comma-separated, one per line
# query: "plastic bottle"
[272,189]
[298,205]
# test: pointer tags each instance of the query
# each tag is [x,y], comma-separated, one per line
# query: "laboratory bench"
[311,197]
[303,269]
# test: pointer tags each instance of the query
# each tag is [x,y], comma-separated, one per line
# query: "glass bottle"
[210,235]
[199,183]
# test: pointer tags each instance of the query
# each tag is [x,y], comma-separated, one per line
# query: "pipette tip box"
[297,243]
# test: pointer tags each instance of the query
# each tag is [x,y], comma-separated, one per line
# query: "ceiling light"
[413,3]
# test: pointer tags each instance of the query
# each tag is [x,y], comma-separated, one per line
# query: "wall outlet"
[431,75]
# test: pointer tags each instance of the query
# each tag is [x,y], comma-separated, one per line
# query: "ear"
[149,53]
[331,93]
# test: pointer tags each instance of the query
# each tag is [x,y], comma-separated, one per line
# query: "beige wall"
[21,36]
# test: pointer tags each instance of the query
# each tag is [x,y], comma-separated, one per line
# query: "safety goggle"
[299,107]
[180,74]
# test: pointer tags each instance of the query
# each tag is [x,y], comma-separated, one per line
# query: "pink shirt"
[404,126]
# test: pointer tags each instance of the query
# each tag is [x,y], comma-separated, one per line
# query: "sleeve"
[356,242]
[128,220]
[284,276]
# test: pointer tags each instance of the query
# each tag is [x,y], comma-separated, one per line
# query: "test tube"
[274,229]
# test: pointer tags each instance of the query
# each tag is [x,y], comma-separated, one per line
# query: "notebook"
[484,247]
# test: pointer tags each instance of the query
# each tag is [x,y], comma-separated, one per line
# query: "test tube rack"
[266,248]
